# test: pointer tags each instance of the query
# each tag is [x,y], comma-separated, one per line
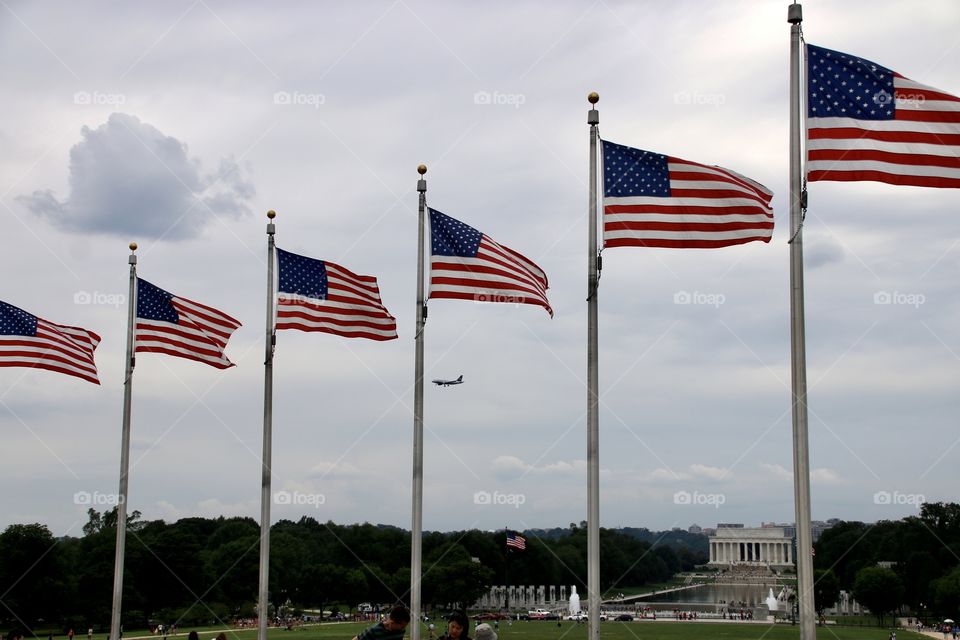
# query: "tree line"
[201,570]
[888,564]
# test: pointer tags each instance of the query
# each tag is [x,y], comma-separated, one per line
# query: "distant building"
[758,546]
[695,528]
[725,525]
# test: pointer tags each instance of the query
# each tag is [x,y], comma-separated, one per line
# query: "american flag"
[469,265]
[29,341]
[316,295]
[516,541]
[866,122]
[179,327]
[653,200]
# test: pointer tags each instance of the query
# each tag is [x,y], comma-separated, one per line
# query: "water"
[749,595]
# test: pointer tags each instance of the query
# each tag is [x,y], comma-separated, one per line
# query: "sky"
[177,125]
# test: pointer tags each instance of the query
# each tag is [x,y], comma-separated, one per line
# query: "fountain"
[772,602]
[574,601]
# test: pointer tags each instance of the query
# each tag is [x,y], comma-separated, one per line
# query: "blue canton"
[302,276]
[840,85]
[451,237]
[631,172]
[153,303]
[16,322]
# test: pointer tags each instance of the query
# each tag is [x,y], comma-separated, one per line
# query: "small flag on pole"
[868,123]
[316,295]
[653,200]
[516,541]
[469,265]
[29,341]
[179,327]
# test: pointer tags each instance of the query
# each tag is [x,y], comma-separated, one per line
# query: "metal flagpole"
[801,451]
[593,397]
[416,528]
[265,497]
[124,450]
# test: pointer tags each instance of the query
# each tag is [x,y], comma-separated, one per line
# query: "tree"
[31,575]
[878,589]
[946,592]
[826,590]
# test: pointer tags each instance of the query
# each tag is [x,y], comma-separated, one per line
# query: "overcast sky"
[179,124]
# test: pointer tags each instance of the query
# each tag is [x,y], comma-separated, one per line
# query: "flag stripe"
[29,341]
[909,137]
[350,305]
[651,200]
[198,332]
[469,265]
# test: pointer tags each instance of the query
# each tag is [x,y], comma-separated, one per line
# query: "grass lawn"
[536,630]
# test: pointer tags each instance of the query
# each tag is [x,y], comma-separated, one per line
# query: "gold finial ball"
[271,214]
[422,169]
[594,97]
[133,246]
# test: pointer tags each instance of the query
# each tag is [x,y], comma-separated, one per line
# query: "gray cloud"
[129,179]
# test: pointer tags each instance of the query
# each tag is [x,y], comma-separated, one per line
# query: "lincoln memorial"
[760,546]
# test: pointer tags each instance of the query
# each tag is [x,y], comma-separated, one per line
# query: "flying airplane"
[447,383]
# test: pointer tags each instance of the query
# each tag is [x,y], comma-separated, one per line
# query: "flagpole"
[416,528]
[593,422]
[124,450]
[801,449]
[266,464]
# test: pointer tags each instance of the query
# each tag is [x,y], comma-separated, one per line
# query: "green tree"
[826,589]
[31,575]
[946,592]
[879,589]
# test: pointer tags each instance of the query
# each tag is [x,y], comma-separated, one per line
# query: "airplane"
[447,383]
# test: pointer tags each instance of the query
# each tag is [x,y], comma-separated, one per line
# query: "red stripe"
[173,338]
[682,244]
[880,176]
[220,316]
[754,194]
[290,315]
[909,115]
[852,133]
[913,159]
[189,356]
[713,194]
[481,285]
[459,295]
[684,210]
[684,226]
[910,93]
[345,334]
[51,367]
[38,355]
[360,307]
[481,271]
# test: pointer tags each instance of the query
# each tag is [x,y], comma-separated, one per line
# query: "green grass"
[646,630]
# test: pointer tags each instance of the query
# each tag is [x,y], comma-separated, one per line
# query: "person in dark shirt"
[458,627]
[392,628]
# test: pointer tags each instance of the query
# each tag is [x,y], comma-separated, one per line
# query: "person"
[193,636]
[392,628]
[458,627]
[484,632]
[221,636]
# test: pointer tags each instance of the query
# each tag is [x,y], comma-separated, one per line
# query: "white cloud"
[824,476]
[129,179]
[777,470]
[706,471]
